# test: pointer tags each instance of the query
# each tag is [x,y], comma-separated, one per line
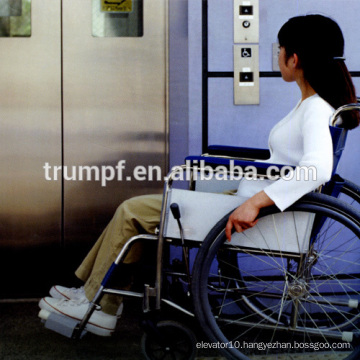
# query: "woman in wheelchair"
[311,54]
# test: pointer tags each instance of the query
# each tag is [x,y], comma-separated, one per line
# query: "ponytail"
[319,44]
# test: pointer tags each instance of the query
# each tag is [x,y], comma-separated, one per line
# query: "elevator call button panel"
[246,74]
[246,21]
[246,52]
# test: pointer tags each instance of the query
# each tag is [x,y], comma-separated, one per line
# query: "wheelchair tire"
[350,193]
[261,302]
[170,340]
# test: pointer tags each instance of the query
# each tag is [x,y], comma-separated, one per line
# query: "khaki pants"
[137,215]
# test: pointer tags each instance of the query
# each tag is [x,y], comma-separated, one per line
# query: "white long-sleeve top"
[300,139]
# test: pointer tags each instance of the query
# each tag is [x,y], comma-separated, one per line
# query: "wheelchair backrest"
[338,136]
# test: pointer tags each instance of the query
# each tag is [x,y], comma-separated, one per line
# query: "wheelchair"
[288,288]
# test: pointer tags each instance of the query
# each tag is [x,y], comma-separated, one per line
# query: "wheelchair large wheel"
[257,301]
[350,193]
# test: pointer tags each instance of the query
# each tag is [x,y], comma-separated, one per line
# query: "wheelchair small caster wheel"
[169,340]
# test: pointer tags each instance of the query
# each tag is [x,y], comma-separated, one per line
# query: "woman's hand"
[244,217]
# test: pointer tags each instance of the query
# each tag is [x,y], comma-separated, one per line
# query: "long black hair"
[319,44]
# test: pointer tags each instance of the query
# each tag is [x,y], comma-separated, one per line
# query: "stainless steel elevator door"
[30,132]
[114,110]
[69,98]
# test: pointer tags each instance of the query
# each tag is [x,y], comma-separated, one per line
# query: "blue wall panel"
[245,125]
[249,125]
[272,15]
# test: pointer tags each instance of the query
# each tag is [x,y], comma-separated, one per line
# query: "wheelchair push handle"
[174,207]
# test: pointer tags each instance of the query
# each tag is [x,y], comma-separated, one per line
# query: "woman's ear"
[296,61]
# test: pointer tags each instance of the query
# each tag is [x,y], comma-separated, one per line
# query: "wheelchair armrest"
[231,164]
[239,152]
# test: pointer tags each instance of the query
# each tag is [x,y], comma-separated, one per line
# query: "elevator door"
[86,89]
[114,108]
[30,136]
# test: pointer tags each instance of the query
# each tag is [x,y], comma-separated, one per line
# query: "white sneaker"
[61,292]
[99,323]
[120,310]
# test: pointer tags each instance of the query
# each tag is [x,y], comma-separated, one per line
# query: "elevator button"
[246,24]
[246,77]
[246,52]
[246,10]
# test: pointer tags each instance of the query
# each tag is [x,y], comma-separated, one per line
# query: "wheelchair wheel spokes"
[248,297]
[334,276]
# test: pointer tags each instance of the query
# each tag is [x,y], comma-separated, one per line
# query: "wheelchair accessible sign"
[119,6]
